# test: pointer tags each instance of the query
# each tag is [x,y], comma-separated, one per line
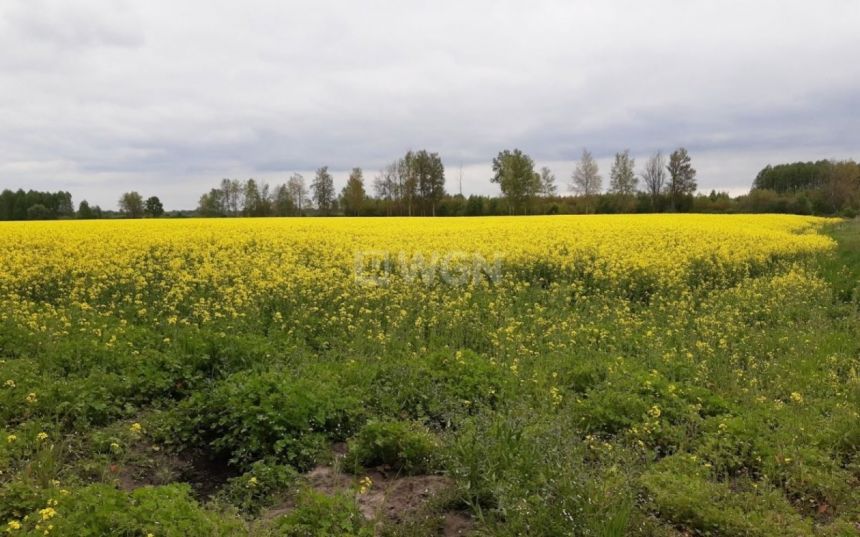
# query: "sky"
[166,97]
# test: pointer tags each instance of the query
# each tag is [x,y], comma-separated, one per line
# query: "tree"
[322,191]
[85,212]
[39,212]
[153,207]
[131,205]
[515,174]
[428,174]
[654,177]
[407,181]
[548,187]
[842,186]
[282,203]
[232,196]
[212,204]
[586,180]
[298,192]
[385,187]
[255,199]
[682,177]
[353,194]
[622,178]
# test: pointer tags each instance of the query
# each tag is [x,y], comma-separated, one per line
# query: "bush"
[319,515]
[680,490]
[99,510]
[439,387]
[254,415]
[257,488]
[405,447]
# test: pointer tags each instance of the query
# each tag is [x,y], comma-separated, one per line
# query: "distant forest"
[415,186]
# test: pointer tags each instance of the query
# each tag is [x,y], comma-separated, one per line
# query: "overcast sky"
[168,96]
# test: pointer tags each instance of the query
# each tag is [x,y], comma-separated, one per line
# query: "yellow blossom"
[364,485]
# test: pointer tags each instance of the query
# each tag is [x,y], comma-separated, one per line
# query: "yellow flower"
[136,428]
[655,412]
[31,398]
[11,438]
[9,383]
[41,437]
[13,525]
[796,397]
[252,482]
[364,484]
[47,513]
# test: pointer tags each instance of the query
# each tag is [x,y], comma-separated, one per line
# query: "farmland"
[651,375]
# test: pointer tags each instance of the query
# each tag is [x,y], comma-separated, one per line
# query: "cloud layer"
[98,97]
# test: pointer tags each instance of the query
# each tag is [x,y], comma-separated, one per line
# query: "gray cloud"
[99,96]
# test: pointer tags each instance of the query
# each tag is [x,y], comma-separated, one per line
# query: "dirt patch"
[457,524]
[146,466]
[394,499]
[391,498]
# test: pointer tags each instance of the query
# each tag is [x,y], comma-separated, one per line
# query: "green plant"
[320,515]
[405,447]
[259,487]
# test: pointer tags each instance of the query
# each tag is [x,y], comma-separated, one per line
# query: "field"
[651,375]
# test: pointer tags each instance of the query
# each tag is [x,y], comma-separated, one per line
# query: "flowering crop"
[570,375]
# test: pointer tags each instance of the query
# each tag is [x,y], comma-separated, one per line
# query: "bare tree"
[298,192]
[385,186]
[232,196]
[548,187]
[654,177]
[586,180]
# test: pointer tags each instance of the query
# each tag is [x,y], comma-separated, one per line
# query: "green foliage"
[252,415]
[680,489]
[101,510]
[259,487]
[403,446]
[437,388]
[320,515]
[514,171]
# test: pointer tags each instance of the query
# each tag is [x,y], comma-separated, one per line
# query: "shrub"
[99,510]
[680,490]
[257,488]
[254,415]
[319,515]
[438,387]
[405,447]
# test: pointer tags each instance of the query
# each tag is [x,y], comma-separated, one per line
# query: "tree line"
[33,205]
[414,185]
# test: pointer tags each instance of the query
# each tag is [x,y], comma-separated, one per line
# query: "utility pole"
[461,179]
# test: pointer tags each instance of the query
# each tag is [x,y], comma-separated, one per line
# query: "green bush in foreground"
[320,515]
[101,510]
[680,490]
[403,446]
[258,488]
